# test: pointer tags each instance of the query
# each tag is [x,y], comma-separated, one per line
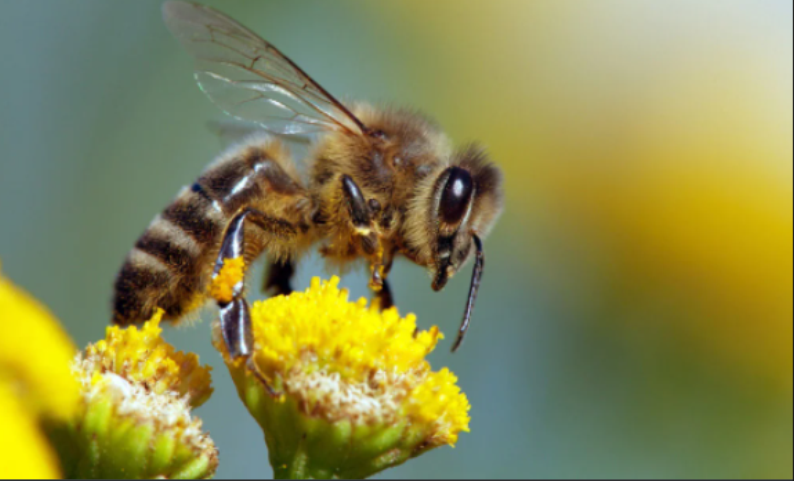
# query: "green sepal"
[308,446]
[101,443]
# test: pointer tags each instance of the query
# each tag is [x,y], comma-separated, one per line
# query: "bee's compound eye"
[456,195]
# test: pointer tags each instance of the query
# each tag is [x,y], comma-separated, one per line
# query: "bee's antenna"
[476,275]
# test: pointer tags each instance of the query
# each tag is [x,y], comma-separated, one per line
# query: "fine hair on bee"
[381,182]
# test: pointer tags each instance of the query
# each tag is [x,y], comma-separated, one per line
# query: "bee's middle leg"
[278,277]
[384,296]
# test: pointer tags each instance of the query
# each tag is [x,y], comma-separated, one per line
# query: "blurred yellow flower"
[35,353]
[356,393]
[24,451]
[35,383]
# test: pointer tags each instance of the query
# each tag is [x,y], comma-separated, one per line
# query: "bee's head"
[459,200]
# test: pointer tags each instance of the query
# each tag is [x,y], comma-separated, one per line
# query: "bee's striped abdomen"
[171,263]
[166,268]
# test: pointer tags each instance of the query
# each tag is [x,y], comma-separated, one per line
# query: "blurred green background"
[636,312]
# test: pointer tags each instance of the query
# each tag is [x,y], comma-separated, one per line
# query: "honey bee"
[381,182]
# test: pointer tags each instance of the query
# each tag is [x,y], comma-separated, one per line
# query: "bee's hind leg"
[235,319]
[235,316]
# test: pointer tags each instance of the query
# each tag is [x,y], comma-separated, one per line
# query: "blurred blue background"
[636,314]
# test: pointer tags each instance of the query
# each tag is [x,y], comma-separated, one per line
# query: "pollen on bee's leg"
[227,280]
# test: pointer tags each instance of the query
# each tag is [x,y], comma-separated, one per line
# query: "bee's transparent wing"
[230,131]
[249,78]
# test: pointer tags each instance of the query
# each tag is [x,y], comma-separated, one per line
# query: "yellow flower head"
[136,420]
[345,355]
[358,371]
[143,357]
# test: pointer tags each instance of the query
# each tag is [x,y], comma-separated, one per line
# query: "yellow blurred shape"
[35,381]
[661,136]
[35,354]
[24,451]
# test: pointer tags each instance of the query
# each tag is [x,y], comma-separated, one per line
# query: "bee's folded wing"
[249,78]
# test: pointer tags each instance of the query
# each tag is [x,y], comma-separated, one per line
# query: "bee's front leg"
[361,214]
[384,296]
[361,217]
[380,268]
[357,207]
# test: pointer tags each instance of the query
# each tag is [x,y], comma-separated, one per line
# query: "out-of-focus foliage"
[636,312]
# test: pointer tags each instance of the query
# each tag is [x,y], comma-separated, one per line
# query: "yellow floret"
[337,355]
[231,273]
[438,399]
[142,356]
[348,338]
